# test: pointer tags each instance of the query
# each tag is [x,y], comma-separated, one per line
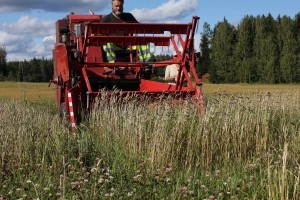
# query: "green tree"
[297,33]
[13,71]
[223,43]
[26,72]
[3,67]
[46,69]
[36,65]
[288,50]
[243,53]
[205,45]
[266,52]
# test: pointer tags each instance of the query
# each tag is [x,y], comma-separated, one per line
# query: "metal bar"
[134,65]
[180,40]
[138,28]
[86,37]
[194,25]
[188,78]
[77,18]
[193,70]
[88,100]
[86,78]
[158,92]
[71,113]
[129,40]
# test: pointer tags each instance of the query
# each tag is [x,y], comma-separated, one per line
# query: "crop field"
[244,146]
[27,91]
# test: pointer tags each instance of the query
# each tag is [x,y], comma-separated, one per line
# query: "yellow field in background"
[242,88]
[27,91]
[41,91]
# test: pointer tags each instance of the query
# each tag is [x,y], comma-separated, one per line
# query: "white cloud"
[51,5]
[12,42]
[30,37]
[49,39]
[171,10]
[27,38]
[30,26]
[28,49]
[48,43]
[5,37]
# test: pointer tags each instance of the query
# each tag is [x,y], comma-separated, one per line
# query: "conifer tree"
[223,42]
[3,68]
[266,50]
[297,36]
[205,44]
[288,49]
[243,54]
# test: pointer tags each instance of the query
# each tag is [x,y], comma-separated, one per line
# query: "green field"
[244,146]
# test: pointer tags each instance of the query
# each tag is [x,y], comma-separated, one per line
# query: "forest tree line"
[34,70]
[41,70]
[259,49]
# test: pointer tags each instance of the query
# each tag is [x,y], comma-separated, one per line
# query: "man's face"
[117,7]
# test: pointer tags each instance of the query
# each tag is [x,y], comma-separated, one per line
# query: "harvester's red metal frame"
[81,72]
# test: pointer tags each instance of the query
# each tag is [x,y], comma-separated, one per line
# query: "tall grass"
[244,146]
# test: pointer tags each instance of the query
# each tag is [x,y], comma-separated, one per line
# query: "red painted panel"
[61,59]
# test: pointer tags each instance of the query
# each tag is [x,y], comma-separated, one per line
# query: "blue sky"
[27,26]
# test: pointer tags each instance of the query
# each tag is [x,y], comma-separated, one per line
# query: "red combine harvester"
[82,72]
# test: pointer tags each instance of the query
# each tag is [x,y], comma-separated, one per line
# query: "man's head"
[117,6]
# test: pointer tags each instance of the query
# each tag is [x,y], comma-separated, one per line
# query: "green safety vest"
[110,48]
[144,52]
